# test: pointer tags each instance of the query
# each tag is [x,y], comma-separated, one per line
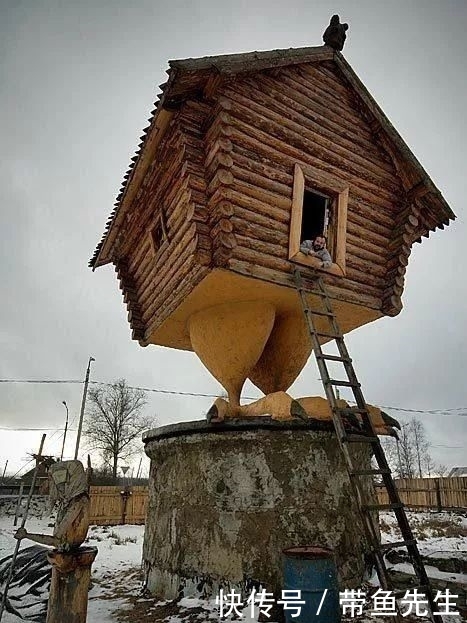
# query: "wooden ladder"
[366,434]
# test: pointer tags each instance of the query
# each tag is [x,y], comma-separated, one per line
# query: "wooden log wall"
[175,191]
[219,178]
[263,125]
[400,247]
[130,298]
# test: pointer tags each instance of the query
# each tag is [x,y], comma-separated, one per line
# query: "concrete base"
[226,499]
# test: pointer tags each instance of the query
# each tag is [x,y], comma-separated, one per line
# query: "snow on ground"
[116,591]
[439,535]
[433,530]
[117,564]
[434,573]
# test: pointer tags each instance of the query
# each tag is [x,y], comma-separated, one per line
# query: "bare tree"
[409,456]
[115,421]
[406,452]
[429,465]
[392,455]
[420,444]
[441,470]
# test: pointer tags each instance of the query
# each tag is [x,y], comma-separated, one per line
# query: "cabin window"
[319,208]
[158,235]
[315,215]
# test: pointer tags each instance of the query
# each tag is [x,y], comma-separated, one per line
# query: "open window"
[315,215]
[158,234]
[319,208]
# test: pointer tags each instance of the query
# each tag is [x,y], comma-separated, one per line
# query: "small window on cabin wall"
[157,235]
[319,208]
[316,211]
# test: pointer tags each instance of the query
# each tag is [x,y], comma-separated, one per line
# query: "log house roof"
[196,78]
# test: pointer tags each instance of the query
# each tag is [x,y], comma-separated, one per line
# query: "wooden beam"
[418,190]
[297,209]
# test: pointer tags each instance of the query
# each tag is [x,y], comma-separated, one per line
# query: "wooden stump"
[71,573]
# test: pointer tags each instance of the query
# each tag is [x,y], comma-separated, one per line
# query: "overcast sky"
[78,80]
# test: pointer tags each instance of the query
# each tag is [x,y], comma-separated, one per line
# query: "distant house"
[42,482]
[457,472]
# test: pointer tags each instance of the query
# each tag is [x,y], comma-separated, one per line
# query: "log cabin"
[245,156]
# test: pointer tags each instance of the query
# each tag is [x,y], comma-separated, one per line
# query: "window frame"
[317,181]
[158,225]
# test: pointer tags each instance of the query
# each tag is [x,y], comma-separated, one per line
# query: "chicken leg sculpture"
[248,339]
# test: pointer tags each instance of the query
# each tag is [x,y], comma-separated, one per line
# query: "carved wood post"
[71,573]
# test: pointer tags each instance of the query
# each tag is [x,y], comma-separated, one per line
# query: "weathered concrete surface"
[226,500]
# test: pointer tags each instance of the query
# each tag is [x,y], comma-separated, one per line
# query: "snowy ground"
[116,593]
[439,535]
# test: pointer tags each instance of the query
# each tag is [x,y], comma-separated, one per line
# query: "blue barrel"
[311,570]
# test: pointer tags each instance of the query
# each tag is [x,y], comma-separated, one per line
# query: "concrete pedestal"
[71,573]
[225,500]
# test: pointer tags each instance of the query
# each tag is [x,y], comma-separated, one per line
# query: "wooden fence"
[118,505]
[112,505]
[438,493]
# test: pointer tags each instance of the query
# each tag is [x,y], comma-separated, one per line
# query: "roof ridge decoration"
[334,35]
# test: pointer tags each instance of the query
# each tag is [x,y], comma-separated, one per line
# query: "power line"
[431,411]
[145,389]
[26,428]
[169,391]
[10,478]
[52,381]
[449,411]
[38,429]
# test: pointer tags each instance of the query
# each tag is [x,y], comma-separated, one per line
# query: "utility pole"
[83,406]
[139,468]
[66,428]
[4,471]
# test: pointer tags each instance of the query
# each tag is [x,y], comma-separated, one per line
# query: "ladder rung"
[333,358]
[355,438]
[316,312]
[383,507]
[341,383]
[334,336]
[386,546]
[370,472]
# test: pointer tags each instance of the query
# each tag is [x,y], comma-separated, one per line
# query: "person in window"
[317,248]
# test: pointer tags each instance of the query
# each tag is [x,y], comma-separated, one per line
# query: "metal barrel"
[312,570]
